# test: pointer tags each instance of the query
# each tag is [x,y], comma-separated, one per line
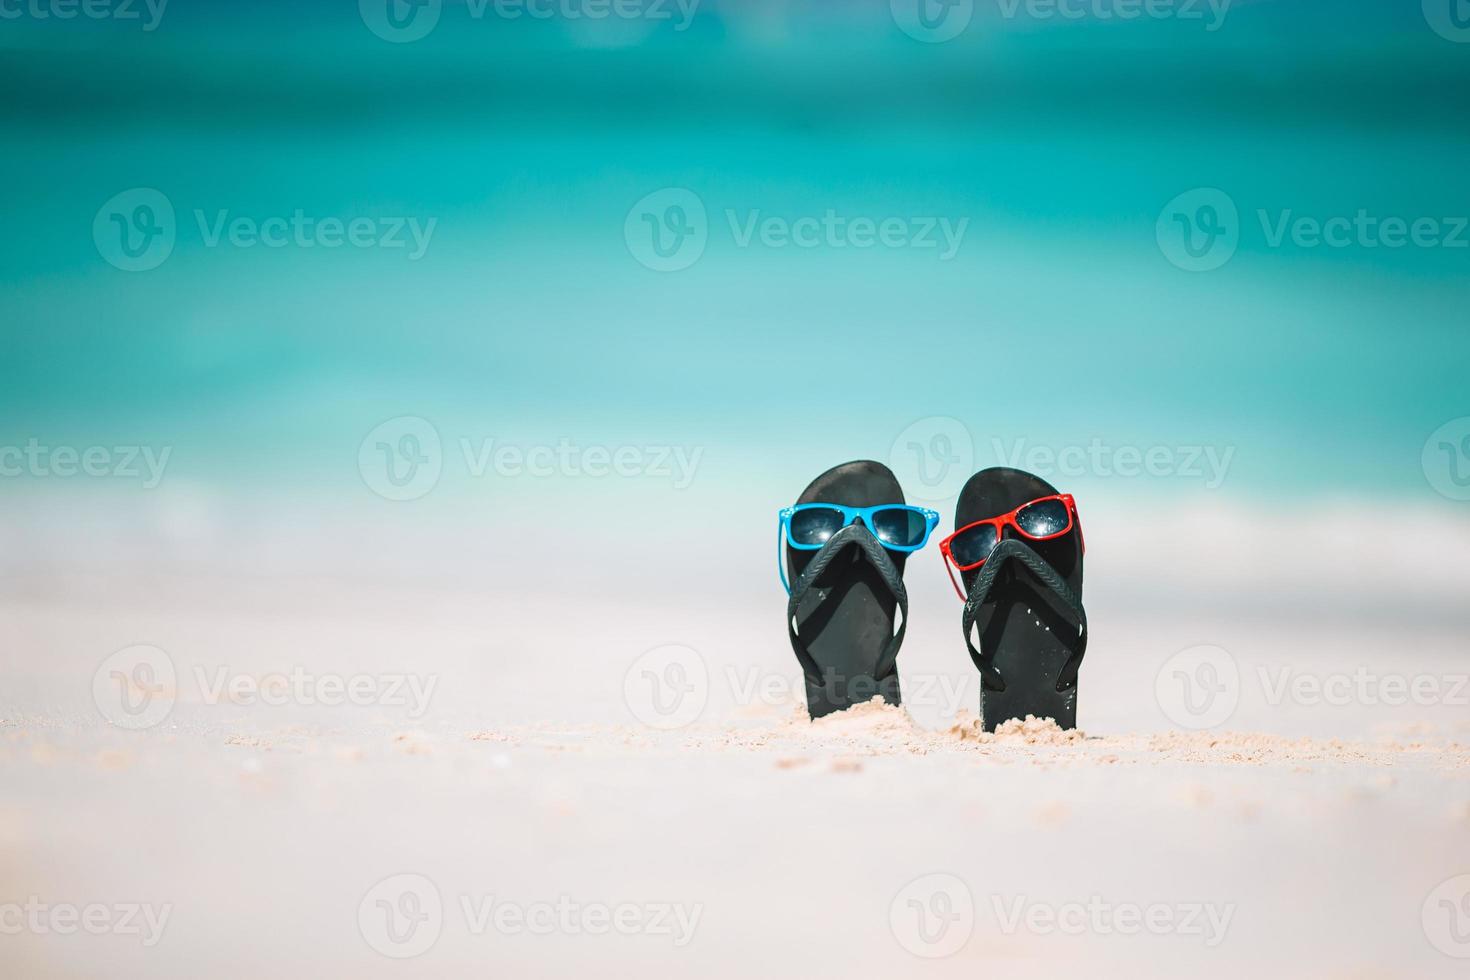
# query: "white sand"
[1296,839]
[797,843]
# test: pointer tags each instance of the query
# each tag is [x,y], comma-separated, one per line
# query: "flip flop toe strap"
[878,557]
[1014,550]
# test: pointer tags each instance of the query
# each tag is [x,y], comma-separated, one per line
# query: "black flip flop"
[847,597]
[1025,604]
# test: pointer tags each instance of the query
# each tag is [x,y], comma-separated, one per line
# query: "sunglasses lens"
[974,545]
[900,527]
[814,525]
[1044,518]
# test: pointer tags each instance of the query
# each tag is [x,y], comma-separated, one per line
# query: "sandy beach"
[530,820]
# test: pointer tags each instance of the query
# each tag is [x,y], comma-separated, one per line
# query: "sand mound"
[878,728]
[1028,731]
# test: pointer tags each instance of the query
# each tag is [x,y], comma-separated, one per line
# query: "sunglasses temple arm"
[947,567]
[781,558]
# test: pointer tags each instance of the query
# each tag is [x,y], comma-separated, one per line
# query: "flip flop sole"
[1023,627]
[849,615]
[1027,636]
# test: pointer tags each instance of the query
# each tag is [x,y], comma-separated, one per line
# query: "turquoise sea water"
[529,316]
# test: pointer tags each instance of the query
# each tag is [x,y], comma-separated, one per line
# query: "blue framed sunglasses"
[898,527]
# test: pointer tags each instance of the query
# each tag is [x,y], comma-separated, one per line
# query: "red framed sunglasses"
[1037,520]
